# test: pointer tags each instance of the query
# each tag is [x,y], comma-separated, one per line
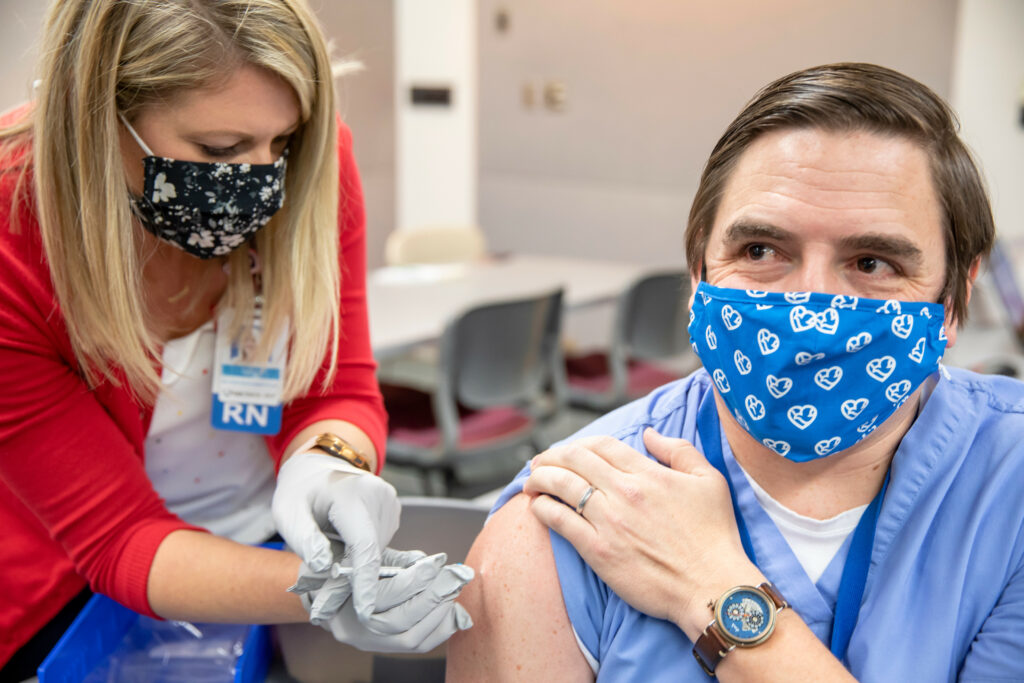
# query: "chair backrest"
[651,321]
[503,353]
[435,244]
[436,525]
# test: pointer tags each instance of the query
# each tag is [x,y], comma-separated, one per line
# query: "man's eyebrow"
[742,231]
[885,245]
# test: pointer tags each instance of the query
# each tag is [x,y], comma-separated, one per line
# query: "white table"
[410,305]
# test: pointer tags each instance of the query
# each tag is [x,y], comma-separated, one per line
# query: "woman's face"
[247,118]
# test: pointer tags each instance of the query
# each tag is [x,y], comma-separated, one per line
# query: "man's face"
[841,213]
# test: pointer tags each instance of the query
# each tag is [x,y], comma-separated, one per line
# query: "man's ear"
[951,324]
[694,281]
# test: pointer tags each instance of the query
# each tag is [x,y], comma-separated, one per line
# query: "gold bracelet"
[334,445]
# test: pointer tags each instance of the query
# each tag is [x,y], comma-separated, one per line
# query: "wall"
[19,36]
[436,161]
[363,30]
[988,93]
[650,86]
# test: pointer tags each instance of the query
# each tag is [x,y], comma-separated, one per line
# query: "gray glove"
[315,494]
[415,611]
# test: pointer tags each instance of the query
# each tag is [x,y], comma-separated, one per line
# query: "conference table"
[410,305]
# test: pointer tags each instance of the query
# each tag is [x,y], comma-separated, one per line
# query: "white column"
[436,145]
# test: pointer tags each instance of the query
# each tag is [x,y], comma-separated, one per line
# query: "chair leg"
[435,482]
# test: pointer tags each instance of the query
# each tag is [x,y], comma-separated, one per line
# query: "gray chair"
[649,329]
[499,376]
[311,654]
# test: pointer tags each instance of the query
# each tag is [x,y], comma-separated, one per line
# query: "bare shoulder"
[520,627]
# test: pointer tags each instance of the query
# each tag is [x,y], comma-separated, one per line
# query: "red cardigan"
[76,506]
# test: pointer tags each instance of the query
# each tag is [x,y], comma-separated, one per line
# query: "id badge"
[246,394]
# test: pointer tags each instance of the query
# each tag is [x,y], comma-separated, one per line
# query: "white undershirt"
[220,480]
[814,541]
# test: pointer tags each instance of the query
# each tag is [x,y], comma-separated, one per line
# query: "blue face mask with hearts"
[809,374]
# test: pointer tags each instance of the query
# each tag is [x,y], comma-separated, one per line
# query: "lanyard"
[855,571]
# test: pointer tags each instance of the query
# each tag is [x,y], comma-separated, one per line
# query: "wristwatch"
[332,444]
[743,617]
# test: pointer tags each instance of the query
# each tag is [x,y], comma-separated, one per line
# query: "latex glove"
[324,593]
[316,493]
[415,610]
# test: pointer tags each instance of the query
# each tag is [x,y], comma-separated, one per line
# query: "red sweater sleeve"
[354,395]
[72,481]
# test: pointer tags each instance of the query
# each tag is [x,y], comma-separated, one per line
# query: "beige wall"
[650,86]
[20,24]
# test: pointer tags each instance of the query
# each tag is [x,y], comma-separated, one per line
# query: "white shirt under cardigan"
[220,480]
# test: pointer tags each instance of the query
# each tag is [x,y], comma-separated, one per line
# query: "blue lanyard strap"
[855,571]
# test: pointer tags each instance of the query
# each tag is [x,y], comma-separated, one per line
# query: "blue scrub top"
[944,598]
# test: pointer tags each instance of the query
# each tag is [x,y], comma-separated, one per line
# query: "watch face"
[746,615]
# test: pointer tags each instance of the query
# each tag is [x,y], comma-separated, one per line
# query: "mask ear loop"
[703,270]
[143,145]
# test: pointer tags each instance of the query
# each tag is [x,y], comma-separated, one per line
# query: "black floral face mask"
[207,209]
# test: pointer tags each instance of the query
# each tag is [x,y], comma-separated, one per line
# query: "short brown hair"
[864,97]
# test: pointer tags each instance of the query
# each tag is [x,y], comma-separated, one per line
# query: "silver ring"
[583,500]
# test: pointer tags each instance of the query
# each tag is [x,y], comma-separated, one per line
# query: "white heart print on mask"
[721,381]
[778,386]
[890,307]
[902,325]
[711,339]
[826,446]
[731,317]
[880,368]
[841,301]
[852,408]
[797,297]
[858,342]
[897,391]
[827,321]
[742,362]
[828,378]
[755,408]
[767,341]
[802,319]
[802,416]
[917,354]
[803,357]
[777,445]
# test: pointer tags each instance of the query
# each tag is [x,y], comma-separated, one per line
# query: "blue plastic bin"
[102,625]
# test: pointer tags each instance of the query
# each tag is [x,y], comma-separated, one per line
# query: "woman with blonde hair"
[180,189]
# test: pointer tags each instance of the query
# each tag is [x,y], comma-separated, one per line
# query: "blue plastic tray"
[101,626]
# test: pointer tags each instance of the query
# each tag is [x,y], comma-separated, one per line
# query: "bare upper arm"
[521,630]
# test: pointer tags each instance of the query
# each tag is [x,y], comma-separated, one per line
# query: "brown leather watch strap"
[774,594]
[710,648]
[712,645]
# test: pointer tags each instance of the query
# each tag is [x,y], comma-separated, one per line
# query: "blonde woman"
[178,189]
